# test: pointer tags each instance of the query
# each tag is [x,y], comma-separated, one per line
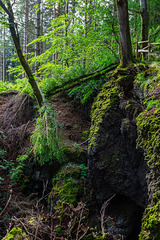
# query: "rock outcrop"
[116,166]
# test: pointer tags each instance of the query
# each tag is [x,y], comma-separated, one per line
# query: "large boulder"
[116,166]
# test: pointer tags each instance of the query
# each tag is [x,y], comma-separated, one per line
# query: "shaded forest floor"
[17,120]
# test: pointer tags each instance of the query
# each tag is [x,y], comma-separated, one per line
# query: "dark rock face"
[116,166]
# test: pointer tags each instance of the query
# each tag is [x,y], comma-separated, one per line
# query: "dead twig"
[102,213]
[9,199]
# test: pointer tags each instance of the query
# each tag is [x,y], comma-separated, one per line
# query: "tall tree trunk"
[4,55]
[24,63]
[25,38]
[42,44]
[37,33]
[144,21]
[85,28]
[1,65]
[66,10]
[126,56]
[57,33]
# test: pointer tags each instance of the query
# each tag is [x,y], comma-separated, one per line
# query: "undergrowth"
[87,89]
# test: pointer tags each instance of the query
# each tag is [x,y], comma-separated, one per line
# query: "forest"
[80,120]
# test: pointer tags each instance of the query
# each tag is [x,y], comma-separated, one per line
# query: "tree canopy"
[64,40]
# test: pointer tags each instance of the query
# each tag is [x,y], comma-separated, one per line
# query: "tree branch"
[73,82]
[135,11]
[2,5]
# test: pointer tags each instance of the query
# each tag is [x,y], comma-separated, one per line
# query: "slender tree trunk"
[37,33]
[66,30]
[54,16]
[126,56]
[4,55]
[1,65]
[16,40]
[57,33]
[144,21]
[42,44]
[25,38]
[85,28]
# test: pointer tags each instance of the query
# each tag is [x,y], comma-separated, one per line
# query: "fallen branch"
[102,212]
[9,199]
[73,82]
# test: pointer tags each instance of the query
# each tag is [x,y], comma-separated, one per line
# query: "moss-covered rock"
[76,155]
[149,134]
[68,184]
[148,123]
[116,166]
[104,101]
[16,233]
[151,223]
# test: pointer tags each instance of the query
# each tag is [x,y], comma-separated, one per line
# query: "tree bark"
[24,63]
[37,33]
[25,37]
[1,65]
[4,55]
[126,56]
[144,21]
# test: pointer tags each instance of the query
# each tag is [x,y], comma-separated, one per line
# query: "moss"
[16,233]
[149,139]
[74,155]
[149,134]
[151,223]
[68,184]
[104,101]
[148,124]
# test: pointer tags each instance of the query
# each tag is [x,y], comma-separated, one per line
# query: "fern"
[47,144]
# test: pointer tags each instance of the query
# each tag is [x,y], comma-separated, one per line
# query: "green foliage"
[151,103]
[16,233]
[2,153]
[47,143]
[16,168]
[1,179]
[23,86]
[149,78]
[4,87]
[83,169]
[87,89]
[85,135]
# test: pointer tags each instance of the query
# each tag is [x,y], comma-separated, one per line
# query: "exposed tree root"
[16,119]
